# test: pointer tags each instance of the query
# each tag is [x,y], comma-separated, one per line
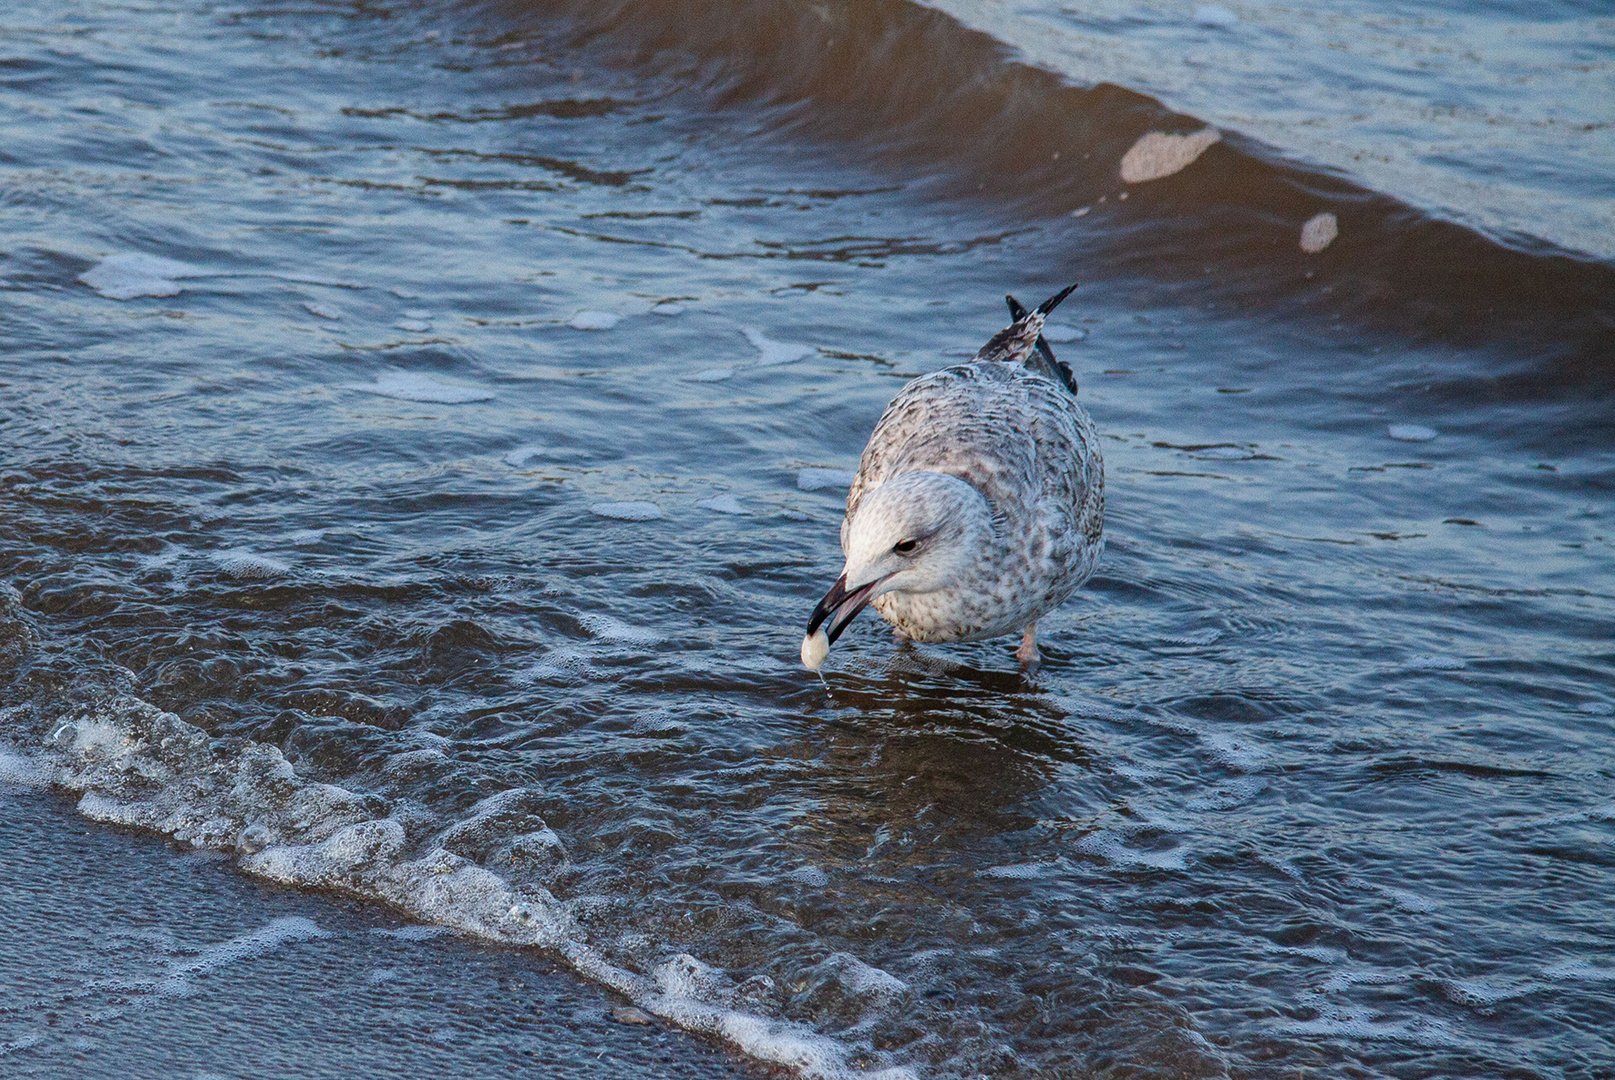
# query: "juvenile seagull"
[979,503]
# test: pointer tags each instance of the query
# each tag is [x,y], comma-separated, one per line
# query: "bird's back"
[1021,439]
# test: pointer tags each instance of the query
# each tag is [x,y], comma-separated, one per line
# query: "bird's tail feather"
[1022,342]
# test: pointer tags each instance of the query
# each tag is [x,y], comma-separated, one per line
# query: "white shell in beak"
[815,647]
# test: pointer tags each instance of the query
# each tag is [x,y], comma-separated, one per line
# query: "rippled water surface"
[482,458]
[1494,113]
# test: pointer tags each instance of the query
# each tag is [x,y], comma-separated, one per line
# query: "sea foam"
[131,274]
[627,511]
[1319,232]
[413,386]
[1158,154]
[723,504]
[773,353]
[20,771]
[818,479]
[594,320]
[1411,432]
[132,764]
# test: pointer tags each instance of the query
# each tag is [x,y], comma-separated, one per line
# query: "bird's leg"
[1027,654]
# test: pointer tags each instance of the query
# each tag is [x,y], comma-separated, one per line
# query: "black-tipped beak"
[839,606]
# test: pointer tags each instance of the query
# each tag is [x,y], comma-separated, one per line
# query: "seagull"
[979,503]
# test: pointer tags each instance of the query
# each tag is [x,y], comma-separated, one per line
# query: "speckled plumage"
[1007,423]
[1021,440]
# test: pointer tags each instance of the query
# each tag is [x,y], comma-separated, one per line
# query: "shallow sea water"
[463,494]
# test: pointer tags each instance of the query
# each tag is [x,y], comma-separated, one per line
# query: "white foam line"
[287,929]
[135,765]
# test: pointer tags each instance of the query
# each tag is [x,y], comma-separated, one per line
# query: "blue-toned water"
[437,526]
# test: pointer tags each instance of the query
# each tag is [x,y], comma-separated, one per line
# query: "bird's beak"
[839,606]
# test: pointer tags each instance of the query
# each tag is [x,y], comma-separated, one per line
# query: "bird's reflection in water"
[923,760]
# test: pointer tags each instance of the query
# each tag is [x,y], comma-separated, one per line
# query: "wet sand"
[125,958]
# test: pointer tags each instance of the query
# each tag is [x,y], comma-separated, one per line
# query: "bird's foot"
[1027,654]
[900,637]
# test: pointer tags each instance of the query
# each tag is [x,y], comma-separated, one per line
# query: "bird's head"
[916,533]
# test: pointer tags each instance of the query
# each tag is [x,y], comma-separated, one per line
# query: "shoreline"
[129,959]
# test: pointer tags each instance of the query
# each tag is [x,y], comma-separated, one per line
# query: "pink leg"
[1027,654]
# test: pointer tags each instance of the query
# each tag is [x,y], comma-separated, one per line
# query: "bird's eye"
[905,547]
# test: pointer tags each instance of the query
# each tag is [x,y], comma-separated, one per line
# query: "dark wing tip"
[1017,310]
[1054,301]
[1067,376]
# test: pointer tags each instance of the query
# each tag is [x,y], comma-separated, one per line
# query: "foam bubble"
[1109,846]
[606,628]
[1319,232]
[1157,154]
[1335,1022]
[627,511]
[1411,432]
[412,933]
[682,975]
[668,308]
[1484,993]
[1408,900]
[334,861]
[1015,871]
[414,326]
[723,504]
[131,274]
[244,563]
[1580,969]
[418,314]
[522,455]
[323,311]
[404,294]
[1204,636]
[774,353]
[563,663]
[286,930]
[1323,954]
[594,320]
[1228,795]
[19,771]
[717,374]
[1215,15]
[811,876]
[816,479]
[413,386]
[860,980]
[1435,663]
[1236,753]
